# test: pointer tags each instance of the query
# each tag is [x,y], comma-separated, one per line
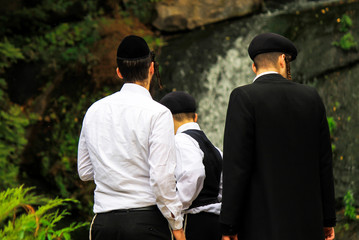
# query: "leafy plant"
[345,23]
[19,219]
[349,210]
[13,122]
[332,125]
[347,42]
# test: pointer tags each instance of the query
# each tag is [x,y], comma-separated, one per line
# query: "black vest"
[212,162]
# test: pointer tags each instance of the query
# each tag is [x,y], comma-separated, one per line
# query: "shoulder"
[185,139]
[242,94]
[99,105]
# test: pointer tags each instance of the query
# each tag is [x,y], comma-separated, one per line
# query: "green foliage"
[59,161]
[65,44]
[347,42]
[9,54]
[13,122]
[154,42]
[39,224]
[332,125]
[349,205]
[345,23]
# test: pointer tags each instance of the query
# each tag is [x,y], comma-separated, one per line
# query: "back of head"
[133,58]
[181,104]
[266,60]
[266,48]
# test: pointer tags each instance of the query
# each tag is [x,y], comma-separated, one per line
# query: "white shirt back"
[127,147]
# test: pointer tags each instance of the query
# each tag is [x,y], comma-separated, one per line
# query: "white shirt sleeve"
[162,161]
[190,171]
[84,165]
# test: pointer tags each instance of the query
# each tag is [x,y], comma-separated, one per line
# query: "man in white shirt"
[198,171]
[127,147]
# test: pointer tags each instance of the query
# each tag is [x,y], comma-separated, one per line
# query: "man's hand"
[232,237]
[179,234]
[329,233]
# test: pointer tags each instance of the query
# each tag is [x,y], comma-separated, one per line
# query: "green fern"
[20,220]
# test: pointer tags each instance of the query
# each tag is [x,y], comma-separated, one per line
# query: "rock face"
[209,63]
[174,15]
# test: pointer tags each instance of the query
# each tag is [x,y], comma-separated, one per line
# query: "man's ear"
[195,117]
[152,68]
[118,73]
[254,68]
[281,61]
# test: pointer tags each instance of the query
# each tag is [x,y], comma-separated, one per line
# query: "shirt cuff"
[176,224]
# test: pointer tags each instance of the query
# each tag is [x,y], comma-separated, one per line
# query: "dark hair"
[183,116]
[137,70]
[266,59]
[270,59]
[287,63]
[134,70]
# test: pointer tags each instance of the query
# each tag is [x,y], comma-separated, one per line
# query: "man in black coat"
[277,159]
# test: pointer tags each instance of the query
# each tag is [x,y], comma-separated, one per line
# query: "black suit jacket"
[277,162]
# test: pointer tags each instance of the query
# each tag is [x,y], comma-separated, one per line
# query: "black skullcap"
[179,102]
[271,42]
[133,48]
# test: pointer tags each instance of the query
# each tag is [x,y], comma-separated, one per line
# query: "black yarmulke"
[133,48]
[179,102]
[271,42]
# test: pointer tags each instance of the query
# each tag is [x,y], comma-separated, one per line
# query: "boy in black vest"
[198,171]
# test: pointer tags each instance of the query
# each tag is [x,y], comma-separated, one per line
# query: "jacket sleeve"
[238,149]
[326,172]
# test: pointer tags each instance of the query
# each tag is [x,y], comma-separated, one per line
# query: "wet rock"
[209,63]
[189,14]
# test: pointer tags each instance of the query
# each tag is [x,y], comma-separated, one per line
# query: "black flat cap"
[271,42]
[179,102]
[133,48]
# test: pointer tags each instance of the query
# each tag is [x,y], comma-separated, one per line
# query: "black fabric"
[212,162]
[203,225]
[271,42]
[179,102]
[277,162]
[133,48]
[130,225]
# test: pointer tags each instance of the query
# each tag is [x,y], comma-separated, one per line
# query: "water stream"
[211,61]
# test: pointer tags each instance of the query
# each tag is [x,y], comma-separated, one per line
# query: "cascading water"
[211,61]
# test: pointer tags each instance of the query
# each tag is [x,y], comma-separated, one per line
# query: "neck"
[283,73]
[263,70]
[144,83]
[178,124]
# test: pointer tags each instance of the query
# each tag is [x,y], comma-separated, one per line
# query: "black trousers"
[130,225]
[203,226]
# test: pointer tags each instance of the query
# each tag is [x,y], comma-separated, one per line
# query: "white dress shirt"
[190,171]
[127,147]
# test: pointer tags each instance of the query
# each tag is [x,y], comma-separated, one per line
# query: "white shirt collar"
[265,73]
[136,89]
[186,126]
